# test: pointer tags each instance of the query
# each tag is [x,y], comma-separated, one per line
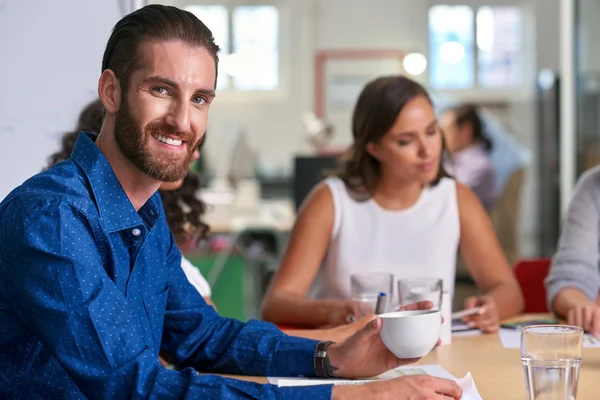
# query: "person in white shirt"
[393,209]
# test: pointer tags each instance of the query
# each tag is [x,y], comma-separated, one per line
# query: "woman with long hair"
[392,208]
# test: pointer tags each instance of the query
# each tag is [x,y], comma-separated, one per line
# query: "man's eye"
[199,100]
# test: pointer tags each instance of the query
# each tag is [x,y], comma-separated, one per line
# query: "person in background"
[507,154]
[573,282]
[469,148]
[392,209]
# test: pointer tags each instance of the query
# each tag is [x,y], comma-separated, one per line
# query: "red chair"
[531,275]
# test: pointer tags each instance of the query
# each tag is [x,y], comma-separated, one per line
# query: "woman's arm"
[488,265]
[285,302]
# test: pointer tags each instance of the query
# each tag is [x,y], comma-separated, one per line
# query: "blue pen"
[380,307]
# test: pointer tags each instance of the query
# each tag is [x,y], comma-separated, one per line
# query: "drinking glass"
[551,356]
[366,287]
[413,290]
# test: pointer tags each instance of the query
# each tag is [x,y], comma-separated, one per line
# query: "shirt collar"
[115,209]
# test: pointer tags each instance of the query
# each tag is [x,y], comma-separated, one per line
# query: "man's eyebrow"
[166,81]
[206,92]
[161,79]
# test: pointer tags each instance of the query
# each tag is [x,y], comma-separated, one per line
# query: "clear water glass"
[414,290]
[365,289]
[551,357]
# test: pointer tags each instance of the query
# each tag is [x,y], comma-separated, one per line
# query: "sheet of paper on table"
[467,384]
[511,339]
[459,328]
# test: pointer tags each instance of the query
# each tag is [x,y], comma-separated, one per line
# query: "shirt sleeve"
[54,280]
[196,335]
[575,263]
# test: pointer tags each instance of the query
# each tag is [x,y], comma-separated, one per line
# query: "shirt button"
[136,232]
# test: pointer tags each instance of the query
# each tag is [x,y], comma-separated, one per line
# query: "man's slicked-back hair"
[154,22]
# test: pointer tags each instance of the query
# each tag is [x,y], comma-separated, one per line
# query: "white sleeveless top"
[421,241]
[194,276]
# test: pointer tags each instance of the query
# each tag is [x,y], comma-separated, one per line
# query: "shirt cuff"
[294,357]
[317,392]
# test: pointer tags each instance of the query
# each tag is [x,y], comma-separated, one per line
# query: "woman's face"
[411,150]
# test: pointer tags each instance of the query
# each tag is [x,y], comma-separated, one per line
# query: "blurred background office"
[290,73]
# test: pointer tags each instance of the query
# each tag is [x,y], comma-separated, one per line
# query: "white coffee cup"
[411,334]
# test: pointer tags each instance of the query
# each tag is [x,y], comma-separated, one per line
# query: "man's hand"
[488,318]
[363,355]
[403,388]
[587,317]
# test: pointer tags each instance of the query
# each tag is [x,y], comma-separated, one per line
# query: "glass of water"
[365,289]
[414,290]
[551,356]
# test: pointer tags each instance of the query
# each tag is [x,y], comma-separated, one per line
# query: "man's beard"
[132,141]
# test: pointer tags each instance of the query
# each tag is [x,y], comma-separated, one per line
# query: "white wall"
[51,59]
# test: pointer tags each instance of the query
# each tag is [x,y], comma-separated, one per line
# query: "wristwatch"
[323,368]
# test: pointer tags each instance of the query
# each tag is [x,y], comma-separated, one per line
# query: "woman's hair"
[374,115]
[468,114]
[90,120]
[183,208]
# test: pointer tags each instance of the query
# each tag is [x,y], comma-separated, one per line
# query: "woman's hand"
[488,319]
[345,312]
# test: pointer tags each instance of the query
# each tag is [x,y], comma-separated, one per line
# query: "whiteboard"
[50,62]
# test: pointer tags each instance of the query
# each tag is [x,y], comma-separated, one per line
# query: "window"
[499,38]
[248,38]
[475,49]
[217,20]
[451,47]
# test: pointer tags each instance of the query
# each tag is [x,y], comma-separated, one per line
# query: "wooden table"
[497,371]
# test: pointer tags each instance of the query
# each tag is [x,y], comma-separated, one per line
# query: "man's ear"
[109,91]
[373,150]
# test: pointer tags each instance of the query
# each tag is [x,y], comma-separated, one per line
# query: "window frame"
[491,94]
[230,93]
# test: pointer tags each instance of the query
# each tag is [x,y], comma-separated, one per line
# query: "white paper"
[459,328]
[511,339]
[470,391]
[467,383]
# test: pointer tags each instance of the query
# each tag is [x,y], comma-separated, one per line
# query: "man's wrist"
[334,351]
[322,361]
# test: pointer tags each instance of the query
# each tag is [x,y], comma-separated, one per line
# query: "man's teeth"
[167,140]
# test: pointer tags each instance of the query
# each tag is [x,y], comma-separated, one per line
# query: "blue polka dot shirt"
[91,290]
